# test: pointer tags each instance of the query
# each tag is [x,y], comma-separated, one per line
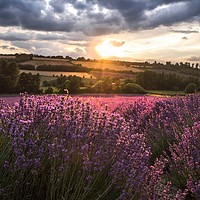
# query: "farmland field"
[112,74]
[104,65]
[100,147]
[51,73]
[46,61]
[50,59]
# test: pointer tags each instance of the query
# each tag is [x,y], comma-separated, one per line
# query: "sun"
[106,50]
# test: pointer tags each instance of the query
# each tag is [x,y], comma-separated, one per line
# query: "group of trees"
[11,81]
[106,85]
[29,83]
[151,80]
[9,75]
[71,83]
[110,85]
[64,84]
[147,80]
[185,68]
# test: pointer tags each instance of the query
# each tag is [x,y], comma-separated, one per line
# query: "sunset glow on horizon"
[107,49]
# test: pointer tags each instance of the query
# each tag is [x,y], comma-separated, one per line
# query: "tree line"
[151,80]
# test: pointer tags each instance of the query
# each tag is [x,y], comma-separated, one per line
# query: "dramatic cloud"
[96,17]
[116,43]
[14,36]
[50,37]
[144,28]
[28,35]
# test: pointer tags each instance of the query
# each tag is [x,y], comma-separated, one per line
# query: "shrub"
[191,88]
[49,90]
[46,83]
[98,87]
[133,88]
[26,67]
[175,88]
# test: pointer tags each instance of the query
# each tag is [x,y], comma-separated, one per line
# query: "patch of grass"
[88,81]
[55,90]
[164,92]
[48,78]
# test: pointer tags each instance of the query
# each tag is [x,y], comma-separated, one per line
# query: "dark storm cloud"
[14,36]
[96,17]
[25,36]
[32,15]
[50,37]
[19,36]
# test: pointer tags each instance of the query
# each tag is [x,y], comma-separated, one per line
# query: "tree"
[5,83]
[98,87]
[49,90]
[117,88]
[133,88]
[29,83]
[75,83]
[63,86]
[46,83]
[107,84]
[81,59]
[72,83]
[9,72]
[191,88]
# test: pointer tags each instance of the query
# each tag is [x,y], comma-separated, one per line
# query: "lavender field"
[76,148]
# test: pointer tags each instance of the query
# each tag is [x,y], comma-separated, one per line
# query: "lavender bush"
[57,147]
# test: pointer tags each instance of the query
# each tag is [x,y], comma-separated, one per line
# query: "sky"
[134,30]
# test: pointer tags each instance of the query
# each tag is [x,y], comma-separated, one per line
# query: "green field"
[168,93]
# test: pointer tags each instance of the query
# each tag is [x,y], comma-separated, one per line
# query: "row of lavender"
[54,147]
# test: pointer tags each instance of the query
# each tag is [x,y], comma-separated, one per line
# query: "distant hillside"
[62,68]
[48,61]
[107,65]
[59,63]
